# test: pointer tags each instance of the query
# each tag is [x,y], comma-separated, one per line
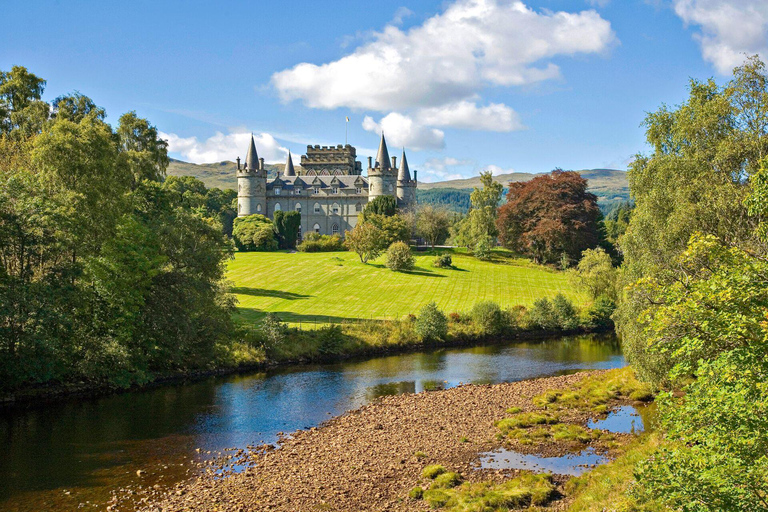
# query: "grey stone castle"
[330,192]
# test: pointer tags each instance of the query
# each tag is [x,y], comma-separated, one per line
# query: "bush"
[598,315]
[443,261]
[431,323]
[488,317]
[314,242]
[274,333]
[543,315]
[483,248]
[433,471]
[565,312]
[399,257]
[254,233]
[331,339]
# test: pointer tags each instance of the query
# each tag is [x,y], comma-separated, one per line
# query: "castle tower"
[406,187]
[382,177]
[289,169]
[251,184]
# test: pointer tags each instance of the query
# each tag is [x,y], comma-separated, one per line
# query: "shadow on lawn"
[252,314]
[261,292]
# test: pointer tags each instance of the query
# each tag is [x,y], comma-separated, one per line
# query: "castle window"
[335,229]
[359,190]
[298,207]
[316,229]
[278,207]
[278,191]
[317,207]
[390,187]
[299,231]
[316,190]
[335,190]
[335,208]
[358,207]
[258,208]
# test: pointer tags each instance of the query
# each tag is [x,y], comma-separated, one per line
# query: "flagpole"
[346,130]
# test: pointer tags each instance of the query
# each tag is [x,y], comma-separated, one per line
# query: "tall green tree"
[480,222]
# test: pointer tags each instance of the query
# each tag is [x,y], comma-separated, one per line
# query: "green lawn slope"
[332,287]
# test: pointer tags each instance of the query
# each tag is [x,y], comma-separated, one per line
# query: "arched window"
[298,207]
[258,208]
[278,207]
[358,207]
[316,229]
[317,207]
[335,208]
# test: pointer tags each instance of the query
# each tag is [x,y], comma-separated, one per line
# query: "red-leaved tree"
[550,215]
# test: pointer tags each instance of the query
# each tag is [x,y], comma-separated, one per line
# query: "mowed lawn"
[332,287]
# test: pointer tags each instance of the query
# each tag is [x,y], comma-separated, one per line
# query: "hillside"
[219,175]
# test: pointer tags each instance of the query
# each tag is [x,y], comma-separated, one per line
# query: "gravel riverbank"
[367,459]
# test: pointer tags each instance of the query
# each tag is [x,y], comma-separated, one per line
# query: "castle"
[331,190]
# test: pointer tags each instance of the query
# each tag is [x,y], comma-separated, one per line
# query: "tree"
[706,152]
[550,215]
[20,104]
[480,221]
[431,324]
[366,240]
[394,228]
[254,233]
[287,228]
[380,205]
[145,154]
[433,224]
[596,273]
[399,257]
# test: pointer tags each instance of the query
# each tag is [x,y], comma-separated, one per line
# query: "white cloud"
[496,170]
[442,169]
[400,14]
[403,131]
[222,147]
[448,58]
[729,29]
[495,117]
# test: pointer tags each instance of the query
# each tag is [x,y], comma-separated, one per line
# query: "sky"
[462,85]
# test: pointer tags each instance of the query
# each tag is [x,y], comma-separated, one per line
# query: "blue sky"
[464,85]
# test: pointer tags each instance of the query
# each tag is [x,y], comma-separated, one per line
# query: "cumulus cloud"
[442,169]
[448,58]
[222,147]
[495,117]
[729,29]
[403,131]
[496,170]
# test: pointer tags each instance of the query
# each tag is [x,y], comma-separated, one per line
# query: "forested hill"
[610,185]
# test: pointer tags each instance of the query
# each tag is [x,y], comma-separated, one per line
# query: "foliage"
[455,200]
[480,222]
[433,471]
[287,228]
[598,315]
[393,228]
[385,206]
[431,323]
[106,276]
[550,215]
[213,204]
[596,273]
[542,314]
[617,221]
[274,332]
[365,239]
[705,155]
[331,339]
[565,312]
[433,224]
[487,315]
[313,242]
[399,257]
[443,261]
[525,490]
[254,233]
[483,248]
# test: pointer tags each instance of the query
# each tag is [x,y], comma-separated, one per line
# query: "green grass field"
[332,287]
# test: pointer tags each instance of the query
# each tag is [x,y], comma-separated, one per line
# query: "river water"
[74,453]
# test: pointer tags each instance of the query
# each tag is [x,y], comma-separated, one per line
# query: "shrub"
[433,471]
[254,233]
[483,248]
[431,323]
[399,257]
[454,317]
[565,312]
[274,332]
[488,317]
[331,339]
[443,261]
[543,315]
[598,315]
[314,242]
[446,480]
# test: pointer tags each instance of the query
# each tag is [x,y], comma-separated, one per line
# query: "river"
[74,453]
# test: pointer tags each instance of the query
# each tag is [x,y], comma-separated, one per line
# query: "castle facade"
[330,191]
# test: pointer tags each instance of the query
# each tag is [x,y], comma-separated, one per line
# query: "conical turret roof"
[252,158]
[383,155]
[404,174]
[289,169]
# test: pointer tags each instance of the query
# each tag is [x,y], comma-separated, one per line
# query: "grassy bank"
[333,287]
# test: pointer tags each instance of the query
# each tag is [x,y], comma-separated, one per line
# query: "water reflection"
[571,464]
[88,447]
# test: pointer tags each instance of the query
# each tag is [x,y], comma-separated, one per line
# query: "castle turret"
[382,177]
[289,169]
[406,187]
[251,184]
